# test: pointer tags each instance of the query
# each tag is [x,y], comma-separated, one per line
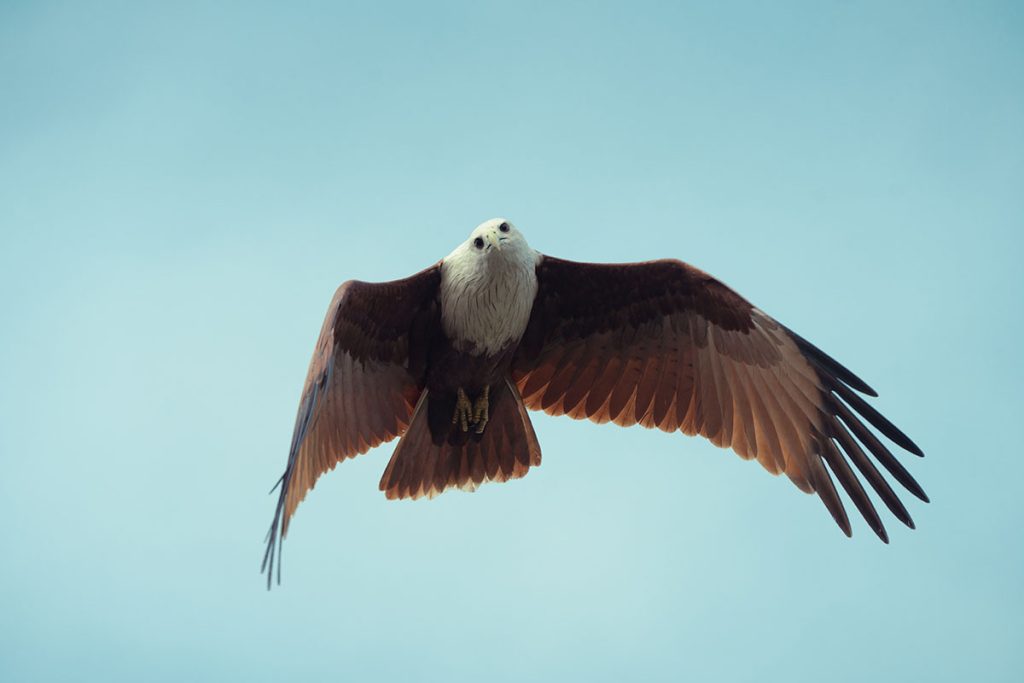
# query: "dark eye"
[503,227]
[478,243]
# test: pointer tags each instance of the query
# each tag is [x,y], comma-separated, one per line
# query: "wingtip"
[916,490]
[831,366]
[866,411]
[842,521]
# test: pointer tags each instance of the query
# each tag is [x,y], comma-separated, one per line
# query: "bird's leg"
[481,410]
[463,411]
[472,413]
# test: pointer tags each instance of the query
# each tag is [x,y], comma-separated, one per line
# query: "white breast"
[486,303]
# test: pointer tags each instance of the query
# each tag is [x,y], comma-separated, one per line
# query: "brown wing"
[663,344]
[365,377]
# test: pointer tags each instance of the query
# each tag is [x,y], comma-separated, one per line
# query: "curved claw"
[463,411]
[473,414]
[481,410]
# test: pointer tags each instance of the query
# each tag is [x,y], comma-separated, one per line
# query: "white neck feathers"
[486,299]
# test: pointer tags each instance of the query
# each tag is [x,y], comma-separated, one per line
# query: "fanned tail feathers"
[506,450]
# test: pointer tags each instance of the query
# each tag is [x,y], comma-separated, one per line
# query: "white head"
[497,238]
[494,245]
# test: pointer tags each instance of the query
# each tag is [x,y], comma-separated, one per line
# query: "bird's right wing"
[365,377]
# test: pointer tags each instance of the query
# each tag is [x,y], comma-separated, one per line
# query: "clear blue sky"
[183,186]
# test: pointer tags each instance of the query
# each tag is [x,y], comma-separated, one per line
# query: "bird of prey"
[451,358]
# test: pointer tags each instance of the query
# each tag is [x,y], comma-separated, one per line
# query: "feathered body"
[485,296]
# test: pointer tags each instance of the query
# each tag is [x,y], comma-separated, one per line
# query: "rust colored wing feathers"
[361,387]
[665,345]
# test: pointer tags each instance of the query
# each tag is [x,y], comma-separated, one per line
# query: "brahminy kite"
[451,358]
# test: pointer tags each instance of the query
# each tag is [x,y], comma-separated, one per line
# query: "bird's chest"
[486,312]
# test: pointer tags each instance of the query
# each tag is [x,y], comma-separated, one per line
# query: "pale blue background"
[182,187]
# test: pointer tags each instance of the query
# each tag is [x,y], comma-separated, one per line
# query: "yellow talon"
[472,413]
[463,411]
[480,410]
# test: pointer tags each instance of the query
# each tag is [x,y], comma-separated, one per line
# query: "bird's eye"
[503,227]
[478,243]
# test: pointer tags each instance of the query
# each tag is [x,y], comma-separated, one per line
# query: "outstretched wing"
[663,344]
[365,377]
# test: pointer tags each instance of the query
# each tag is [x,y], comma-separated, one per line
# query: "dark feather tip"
[830,365]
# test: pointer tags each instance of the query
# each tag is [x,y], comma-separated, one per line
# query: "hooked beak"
[493,240]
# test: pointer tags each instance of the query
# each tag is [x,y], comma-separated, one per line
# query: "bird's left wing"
[365,377]
[665,345]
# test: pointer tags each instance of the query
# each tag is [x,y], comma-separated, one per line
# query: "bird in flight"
[451,358]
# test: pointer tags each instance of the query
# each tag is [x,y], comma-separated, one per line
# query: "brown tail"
[506,450]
